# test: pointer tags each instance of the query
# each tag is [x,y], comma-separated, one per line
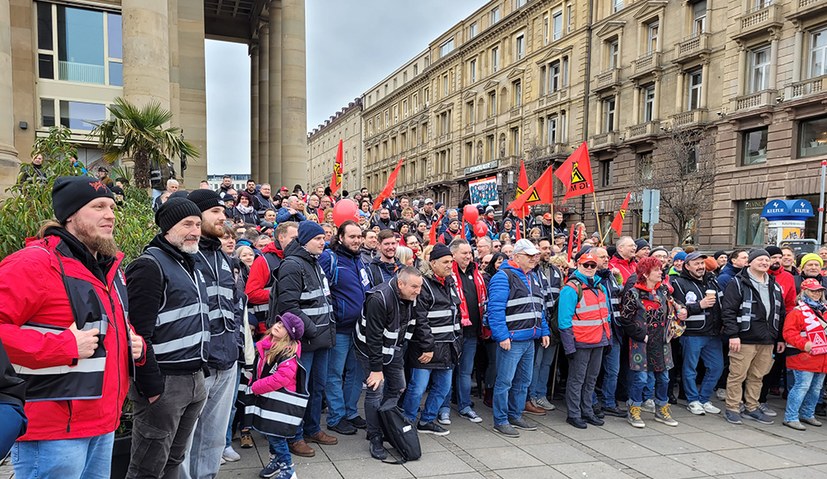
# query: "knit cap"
[811,257]
[173,211]
[439,251]
[307,231]
[205,199]
[757,253]
[71,193]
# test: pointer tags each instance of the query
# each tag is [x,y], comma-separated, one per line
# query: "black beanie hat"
[307,231]
[439,251]
[205,199]
[773,250]
[757,253]
[173,211]
[718,254]
[641,243]
[71,193]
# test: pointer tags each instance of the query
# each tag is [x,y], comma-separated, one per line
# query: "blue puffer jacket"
[727,273]
[347,286]
[498,292]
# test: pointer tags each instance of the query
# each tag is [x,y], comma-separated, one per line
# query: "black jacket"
[385,325]
[380,271]
[689,291]
[437,326]
[300,275]
[744,315]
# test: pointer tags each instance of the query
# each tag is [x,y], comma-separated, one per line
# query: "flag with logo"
[522,187]
[576,173]
[336,179]
[386,191]
[617,223]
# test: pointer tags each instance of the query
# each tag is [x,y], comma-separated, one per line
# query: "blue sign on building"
[778,210]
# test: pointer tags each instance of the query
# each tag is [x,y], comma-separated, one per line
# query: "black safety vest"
[524,308]
[278,413]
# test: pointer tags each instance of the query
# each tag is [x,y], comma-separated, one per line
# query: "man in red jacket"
[67,334]
[624,259]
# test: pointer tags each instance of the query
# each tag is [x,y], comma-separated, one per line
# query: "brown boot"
[300,448]
[532,409]
[322,438]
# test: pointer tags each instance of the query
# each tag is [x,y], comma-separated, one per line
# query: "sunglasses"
[590,265]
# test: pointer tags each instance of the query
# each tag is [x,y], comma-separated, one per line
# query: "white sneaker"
[230,455]
[696,408]
[444,418]
[710,408]
[720,393]
[648,406]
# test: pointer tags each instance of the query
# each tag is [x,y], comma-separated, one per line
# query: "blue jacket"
[727,273]
[348,285]
[566,307]
[498,292]
[284,215]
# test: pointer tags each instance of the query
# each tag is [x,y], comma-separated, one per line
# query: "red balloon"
[470,214]
[344,210]
[480,229]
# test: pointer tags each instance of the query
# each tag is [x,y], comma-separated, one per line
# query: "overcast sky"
[351,45]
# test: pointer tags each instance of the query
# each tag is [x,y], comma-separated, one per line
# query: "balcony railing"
[604,140]
[758,20]
[650,128]
[80,72]
[806,87]
[646,64]
[807,8]
[490,121]
[515,112]
[691,47]
[689,118]
[607,79]
[756,100]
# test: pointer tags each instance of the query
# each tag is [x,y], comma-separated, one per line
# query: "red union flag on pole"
[576,173]
[522,187]
[338,165]
[386,191]
[617,223]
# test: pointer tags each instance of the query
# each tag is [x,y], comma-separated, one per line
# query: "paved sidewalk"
[703,446]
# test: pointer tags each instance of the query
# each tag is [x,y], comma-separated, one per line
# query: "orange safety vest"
[591,317]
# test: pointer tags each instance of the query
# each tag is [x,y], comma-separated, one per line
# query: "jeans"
[161,431]
[584,367]
[611,370]
[85,458]
[207,443]
[804,395]
[491,371]
[707,348]
[342,395]
[440,387]
[390,389]
[513,377]
[315,363]
[640,380]
[280,449]
[229,439]
[543,358]
[463,377]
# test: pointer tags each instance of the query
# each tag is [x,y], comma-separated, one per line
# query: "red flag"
[386,191]
[541,191]
[617,223]
[576,173]
[432,234]
[338,165]
[518,235]
[519,203]
[522,186]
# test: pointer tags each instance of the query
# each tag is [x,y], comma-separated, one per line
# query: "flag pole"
[596,214]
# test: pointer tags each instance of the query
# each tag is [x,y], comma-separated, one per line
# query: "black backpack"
[400,433]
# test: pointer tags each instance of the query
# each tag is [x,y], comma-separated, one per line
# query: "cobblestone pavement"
[703,446]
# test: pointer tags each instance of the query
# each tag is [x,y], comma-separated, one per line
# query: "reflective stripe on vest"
[591,317]
[525,305]
[278,413]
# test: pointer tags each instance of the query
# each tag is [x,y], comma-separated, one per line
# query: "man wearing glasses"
[585,329]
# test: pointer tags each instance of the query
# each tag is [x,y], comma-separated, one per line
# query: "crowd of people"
[253,310]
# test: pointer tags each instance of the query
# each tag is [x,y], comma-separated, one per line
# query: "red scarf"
[479,283]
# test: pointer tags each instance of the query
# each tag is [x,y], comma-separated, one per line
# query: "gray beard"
[189,249]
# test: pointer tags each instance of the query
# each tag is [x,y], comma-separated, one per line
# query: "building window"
[519,46]
[492,104]
[812,137]
[754,143]
[545,30]
[495,15]
[445,85]
[395,114]
[609,114]
[88,45]
[750,226]
[557,23]
[564,72]
[518,4]
[613,52]
[554,77]
[446,48]
[563,128]
[543,80]
[515,141]
[495,59]
[469,113]
[617,5]
[489,144]
[698,17]
[648,94]
[472,70]
[695,87]
[472,30]
[818,53]
[79,115]
[387,119]
[416,70]
[405,108]
[646,166]
[606,172]
[569,18]
[517,94]
[759,69]
[551,123]
[47,112]
[652,36]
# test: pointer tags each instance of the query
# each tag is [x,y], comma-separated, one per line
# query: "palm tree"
[139,133]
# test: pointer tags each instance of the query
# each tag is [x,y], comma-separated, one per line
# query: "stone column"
[146,51]
[773,83]
[681,94]
[635,106]
[254,101]
[798,51]
[294,94]
[263,103]
[705,79]
[275,127]
[742,74]
[9,164]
